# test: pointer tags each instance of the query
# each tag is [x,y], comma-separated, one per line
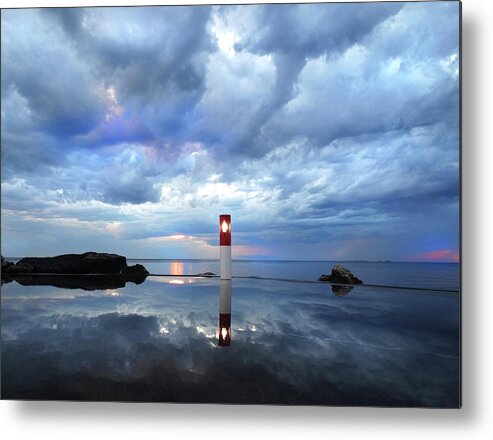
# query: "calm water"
[422,275]
[290,343]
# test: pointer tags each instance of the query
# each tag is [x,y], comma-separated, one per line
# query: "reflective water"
[288,343]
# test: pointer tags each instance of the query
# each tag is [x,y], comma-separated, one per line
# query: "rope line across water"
[311,282]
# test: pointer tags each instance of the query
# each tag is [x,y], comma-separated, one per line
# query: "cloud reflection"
[163,116]
[293,346]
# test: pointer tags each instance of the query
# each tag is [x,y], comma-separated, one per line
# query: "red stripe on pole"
[225,230]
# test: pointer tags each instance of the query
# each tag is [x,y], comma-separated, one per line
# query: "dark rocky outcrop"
[87,263]
[136,273]
[88,271]
[340,275]
[6,265]
[206,274]
[6,268]
[20,268]
[135,270]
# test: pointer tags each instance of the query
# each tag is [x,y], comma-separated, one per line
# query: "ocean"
[283,340]
[442,276]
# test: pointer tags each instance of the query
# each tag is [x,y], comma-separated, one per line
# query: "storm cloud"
[326,130]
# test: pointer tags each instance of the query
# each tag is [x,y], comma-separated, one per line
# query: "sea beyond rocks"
[92,269]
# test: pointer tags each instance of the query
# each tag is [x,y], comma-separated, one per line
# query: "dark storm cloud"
[42,68]
[149,47]
[352,115]
[145,52]
[343,93]
[332,119]
[135,191]
[293,34]
[310,30]
[28,154]
[421,178]
[154,57]
[70,19]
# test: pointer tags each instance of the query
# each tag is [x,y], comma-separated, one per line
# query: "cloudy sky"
[327,131]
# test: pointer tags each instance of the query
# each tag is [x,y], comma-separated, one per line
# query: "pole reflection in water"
[225,314]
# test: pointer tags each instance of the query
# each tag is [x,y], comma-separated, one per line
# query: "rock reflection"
[225,314]
[341,290]
[84,282]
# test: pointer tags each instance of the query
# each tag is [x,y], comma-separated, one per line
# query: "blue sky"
[327,131]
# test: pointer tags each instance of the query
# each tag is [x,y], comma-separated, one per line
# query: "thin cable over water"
[252,277]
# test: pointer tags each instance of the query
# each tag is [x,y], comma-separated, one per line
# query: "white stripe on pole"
[225,255]
[225,297]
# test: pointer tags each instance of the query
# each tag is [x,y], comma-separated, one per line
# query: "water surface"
[423,275]
[291,343]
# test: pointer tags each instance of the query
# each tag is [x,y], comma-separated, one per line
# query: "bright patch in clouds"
[327,131]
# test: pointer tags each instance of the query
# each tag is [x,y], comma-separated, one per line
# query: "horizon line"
[273,259]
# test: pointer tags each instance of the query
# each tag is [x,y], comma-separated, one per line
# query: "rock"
[136,269]
[6,279]
[21,268]
[87,263]
[136,273]
[206,274]
[341,290]
[340,275]
[6,265]
[7,268]
[89,271]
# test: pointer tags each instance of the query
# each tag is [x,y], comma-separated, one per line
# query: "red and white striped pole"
[225,245]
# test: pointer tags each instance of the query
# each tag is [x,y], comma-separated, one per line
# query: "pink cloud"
[448,255]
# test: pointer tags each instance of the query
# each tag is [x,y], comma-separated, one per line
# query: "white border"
[84,421]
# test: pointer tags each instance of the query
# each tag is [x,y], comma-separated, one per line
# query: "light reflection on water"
[176,268]
[293,343]
[168,280]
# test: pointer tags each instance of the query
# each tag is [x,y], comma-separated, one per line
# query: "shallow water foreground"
[290,343]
